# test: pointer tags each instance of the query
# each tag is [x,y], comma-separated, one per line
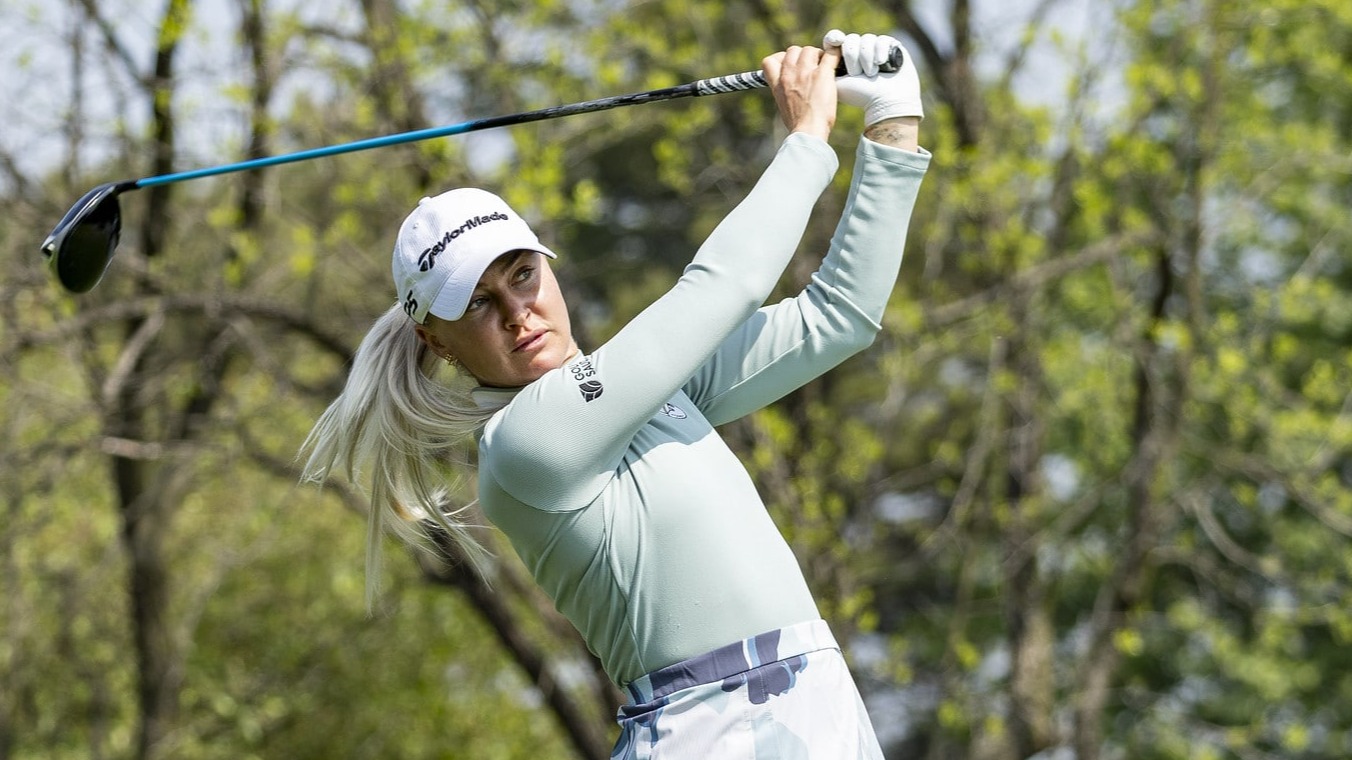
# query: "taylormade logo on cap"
[445,245]
[428,259]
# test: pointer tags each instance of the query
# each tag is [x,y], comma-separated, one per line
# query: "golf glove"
[881,95]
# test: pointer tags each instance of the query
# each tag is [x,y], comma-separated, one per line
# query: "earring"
[450,360]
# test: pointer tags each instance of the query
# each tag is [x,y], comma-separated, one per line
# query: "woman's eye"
[476,302]
[525,274]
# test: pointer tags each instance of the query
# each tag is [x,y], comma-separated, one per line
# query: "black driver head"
[84,241]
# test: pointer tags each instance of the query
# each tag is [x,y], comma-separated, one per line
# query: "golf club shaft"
[83,243]
[731,83]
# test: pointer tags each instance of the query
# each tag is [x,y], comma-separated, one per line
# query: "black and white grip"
[755,80]
[749,80]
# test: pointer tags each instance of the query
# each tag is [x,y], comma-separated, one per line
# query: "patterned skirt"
[782,695]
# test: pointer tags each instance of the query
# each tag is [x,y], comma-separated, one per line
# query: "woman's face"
[515,328]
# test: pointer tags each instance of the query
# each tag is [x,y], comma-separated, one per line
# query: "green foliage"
[1105,432]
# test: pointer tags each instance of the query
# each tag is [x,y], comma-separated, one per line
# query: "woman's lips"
[530,342]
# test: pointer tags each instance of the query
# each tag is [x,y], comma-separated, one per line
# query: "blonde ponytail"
[398,423]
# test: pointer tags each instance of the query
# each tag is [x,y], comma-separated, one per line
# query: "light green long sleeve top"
[607,474]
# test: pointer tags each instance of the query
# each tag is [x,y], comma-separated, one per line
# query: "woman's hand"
[891,100]
[803,80]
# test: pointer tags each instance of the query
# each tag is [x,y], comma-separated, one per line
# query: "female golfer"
[604,469]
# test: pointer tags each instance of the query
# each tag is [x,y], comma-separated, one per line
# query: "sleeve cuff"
[817,148]
[919,159]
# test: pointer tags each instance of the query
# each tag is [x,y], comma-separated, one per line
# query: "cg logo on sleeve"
[582,370]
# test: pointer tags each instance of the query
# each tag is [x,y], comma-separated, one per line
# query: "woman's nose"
[516,309]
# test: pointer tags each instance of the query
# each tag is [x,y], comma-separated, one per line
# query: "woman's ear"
[429,338]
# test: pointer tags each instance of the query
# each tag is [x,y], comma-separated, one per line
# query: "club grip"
[754,80]
[895,60]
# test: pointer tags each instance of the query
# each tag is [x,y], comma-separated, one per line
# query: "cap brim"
[453,298]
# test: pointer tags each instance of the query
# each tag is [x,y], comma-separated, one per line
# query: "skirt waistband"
[731,659]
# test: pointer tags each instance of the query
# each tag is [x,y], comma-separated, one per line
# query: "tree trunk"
[584,731]
[952,71]
[144,514]
[1160,390]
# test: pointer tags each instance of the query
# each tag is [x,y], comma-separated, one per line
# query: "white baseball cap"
[445,245]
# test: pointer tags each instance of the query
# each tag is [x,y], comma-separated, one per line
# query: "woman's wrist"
[899,132]
[818,130]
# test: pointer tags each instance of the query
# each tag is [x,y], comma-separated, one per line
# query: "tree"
[1088,493]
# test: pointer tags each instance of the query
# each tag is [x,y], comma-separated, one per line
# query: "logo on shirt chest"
[673,411]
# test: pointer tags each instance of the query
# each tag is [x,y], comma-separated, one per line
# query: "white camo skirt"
[782,695]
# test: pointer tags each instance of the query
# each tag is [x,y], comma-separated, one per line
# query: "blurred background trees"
[1088,496]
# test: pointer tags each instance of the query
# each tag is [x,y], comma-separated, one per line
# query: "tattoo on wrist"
[889,133]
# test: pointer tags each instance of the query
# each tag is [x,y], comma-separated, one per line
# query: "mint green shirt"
[607,474]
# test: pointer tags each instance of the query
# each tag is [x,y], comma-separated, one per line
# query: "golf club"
[82,244]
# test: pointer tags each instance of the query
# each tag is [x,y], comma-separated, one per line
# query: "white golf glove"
[881,95]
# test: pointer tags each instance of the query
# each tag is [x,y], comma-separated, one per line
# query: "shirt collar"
[497,398]
[493,398]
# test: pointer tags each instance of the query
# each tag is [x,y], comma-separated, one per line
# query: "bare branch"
[1014,61]
[1039,276]
[935,60]
[130,358]
[126,448]
[214,304]
[988,431]
[1200,507]
[1260,470]
[113,43]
